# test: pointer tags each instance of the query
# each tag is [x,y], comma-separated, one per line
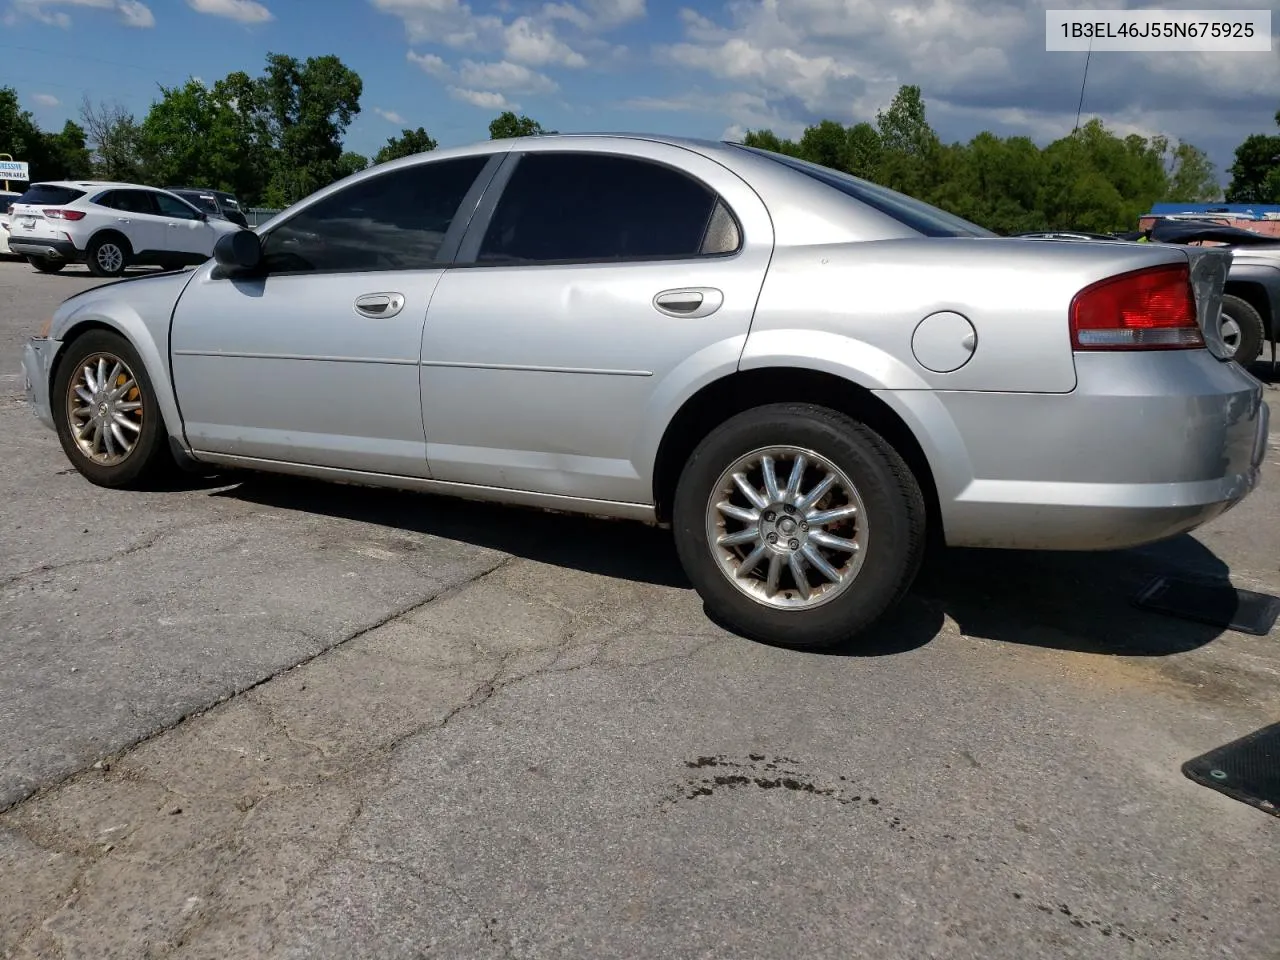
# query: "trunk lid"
[1209,268]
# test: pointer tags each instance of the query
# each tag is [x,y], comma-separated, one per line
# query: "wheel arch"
[152,359]
[1257,295]
[112,232]
[723,398]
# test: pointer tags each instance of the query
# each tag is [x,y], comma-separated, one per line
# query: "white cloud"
[431,64]
[132,13]
[553,34]
[505,75]
[527,41]
[488,99]
[979,63]
[243,11]
[45,99]
[389,115]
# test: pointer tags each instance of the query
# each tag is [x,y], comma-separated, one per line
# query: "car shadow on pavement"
[621,549]
[1080,602]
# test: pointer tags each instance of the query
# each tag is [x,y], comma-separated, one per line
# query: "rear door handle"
[689,302]
[123,220]
[380,304]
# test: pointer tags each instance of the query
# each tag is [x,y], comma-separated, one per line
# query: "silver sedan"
[806,376]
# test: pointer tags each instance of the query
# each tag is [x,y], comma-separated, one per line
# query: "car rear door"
[602,285]
[133,213]
[314,359]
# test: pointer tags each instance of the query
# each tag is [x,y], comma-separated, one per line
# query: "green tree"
[194,135]
[304,109]
[507,125]
[826,143]
[406,145]
[66,154]
[1192,178]
[909,146]
[1255,174]
[768,140]
[19,135]
[864,150]
[350,163]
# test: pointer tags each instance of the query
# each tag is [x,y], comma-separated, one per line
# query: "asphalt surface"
[271,718]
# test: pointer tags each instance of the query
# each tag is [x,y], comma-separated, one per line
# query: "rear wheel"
[107,255]
[46,264]
[1242,329]
[106,413]
[798,525]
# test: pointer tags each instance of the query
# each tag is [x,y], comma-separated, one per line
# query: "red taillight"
[1151,309]
[64,214]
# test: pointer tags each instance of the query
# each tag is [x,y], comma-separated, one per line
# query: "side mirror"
[241,250]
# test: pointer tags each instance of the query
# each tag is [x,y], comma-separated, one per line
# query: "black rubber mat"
[1218,604]
[1247,769]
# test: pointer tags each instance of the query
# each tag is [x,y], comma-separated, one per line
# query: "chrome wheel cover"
[104,409]
[787,527]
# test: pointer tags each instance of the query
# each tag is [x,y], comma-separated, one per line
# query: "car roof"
[92,184]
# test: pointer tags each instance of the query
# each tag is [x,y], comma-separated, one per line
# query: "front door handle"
[380,304]
[689,302]
[123,220]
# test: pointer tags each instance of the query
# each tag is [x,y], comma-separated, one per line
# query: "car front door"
[314,358]
[187,233]
[590,294]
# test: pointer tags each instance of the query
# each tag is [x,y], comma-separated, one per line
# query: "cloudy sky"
[703,67]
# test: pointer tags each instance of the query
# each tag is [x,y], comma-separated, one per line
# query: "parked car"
[804,375]
[1250,315]
[110,226]
[216,203]
[7,197]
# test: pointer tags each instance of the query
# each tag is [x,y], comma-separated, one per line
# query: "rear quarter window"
[43,193]
[924,219]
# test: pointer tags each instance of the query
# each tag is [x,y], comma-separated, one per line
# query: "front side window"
[173,207]
[575,207]
[394,221]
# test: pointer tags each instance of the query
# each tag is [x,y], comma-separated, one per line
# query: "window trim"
[469,252]
[448,246]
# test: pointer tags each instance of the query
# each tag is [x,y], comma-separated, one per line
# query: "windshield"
[915,214]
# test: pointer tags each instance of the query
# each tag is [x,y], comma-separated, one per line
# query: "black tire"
[1252,332]
[46,264]
[101,265]
[150,459]
[894,517]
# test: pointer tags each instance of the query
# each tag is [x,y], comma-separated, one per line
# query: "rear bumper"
[46,248]
[1147,447]
[37,360]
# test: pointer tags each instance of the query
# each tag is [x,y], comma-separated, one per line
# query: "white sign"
[1158,31]
[15,170]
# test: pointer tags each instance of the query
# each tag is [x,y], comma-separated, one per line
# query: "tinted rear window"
[42,193]
[911,213]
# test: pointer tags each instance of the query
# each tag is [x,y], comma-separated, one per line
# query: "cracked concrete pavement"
[416,728]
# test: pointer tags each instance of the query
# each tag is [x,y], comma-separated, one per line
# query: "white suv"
[109,226]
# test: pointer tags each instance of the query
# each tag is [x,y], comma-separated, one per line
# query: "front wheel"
[798,525]
[106,413]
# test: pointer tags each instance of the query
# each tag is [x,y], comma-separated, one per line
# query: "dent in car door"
[317,362]
[541,375]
